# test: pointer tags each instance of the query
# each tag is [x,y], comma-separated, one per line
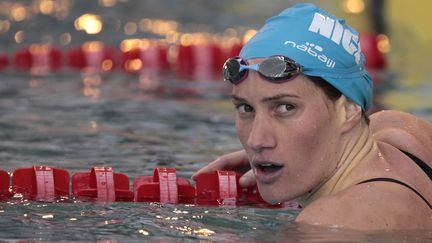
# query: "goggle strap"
[250,67]
[335,72]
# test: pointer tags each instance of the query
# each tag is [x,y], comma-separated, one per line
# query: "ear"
[350,114]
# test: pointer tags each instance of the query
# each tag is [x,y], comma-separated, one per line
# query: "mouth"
[267,172]
[266,167]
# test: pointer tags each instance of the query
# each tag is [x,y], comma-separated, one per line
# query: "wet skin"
[301,145]
[290,133]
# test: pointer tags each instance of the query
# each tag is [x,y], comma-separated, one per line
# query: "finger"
[227,161]
[247,179]
[236,160]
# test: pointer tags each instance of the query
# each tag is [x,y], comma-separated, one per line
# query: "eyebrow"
[266,99]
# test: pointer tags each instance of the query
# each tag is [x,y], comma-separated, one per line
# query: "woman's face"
[290,132]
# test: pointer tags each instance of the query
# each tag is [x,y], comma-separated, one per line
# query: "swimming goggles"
[275,69]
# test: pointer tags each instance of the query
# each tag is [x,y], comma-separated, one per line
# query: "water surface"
[76,121]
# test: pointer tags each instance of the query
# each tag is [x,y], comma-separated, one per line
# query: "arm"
[236,161]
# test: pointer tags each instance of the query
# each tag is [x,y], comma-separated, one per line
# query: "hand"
[236,161]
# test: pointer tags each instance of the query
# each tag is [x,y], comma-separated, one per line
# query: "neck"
[354,150]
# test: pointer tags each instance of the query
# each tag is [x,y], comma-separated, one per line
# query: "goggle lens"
[275,69]
[232,70]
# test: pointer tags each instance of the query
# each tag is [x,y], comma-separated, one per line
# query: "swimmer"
[301,94]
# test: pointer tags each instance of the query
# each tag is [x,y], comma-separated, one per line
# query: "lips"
[267,172]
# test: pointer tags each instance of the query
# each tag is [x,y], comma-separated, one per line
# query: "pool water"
[77,121]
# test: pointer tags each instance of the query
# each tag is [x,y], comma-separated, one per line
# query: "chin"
[273,196]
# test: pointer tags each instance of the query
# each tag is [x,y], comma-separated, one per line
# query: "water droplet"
[48,216]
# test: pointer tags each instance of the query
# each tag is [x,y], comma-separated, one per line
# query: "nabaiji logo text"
[313,50]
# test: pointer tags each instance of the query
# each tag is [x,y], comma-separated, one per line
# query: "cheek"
[309,141]
[299,140]
[316,125]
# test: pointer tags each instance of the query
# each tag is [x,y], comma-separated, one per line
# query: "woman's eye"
[284,108]
[243,108]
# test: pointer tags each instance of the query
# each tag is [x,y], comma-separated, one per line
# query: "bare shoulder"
[397,119]
[370,206]
[404,131]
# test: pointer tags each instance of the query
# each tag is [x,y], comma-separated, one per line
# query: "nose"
[262,135]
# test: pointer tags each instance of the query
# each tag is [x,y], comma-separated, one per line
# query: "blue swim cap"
[322,43]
